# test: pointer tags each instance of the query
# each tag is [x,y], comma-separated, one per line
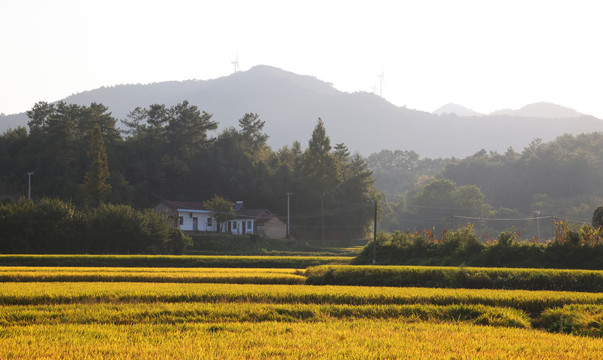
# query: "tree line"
[78,154]
[557,179]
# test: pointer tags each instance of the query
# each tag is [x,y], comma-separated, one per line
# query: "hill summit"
[290,104]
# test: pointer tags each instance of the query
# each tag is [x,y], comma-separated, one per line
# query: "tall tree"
[95,187]
[187,129]
[320,168]
[222,208]
[251,131]
[320,171]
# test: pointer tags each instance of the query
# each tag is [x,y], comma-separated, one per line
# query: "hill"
[291,104]
[541,110]
[455,109]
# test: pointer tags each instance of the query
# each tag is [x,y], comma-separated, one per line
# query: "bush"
[597,219]
[51,225]
[56,226]
[574,248]
[457,277]
[121,229]
[507,238]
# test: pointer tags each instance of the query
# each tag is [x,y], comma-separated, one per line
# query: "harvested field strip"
[457,277]
[166,313]
[179,275]
[291,262]
[532,302]
[359,339]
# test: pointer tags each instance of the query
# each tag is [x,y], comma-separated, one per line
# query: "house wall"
[236,226]
[274,229]
[202,221]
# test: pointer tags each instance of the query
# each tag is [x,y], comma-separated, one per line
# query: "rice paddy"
[258,313]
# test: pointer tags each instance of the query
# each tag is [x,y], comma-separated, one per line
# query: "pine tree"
[95,189]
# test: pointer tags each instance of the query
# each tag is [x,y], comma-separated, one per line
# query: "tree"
[95,188]
[320,171]
[222,208]
[187,128]
[597,220]
[320,168]
[251,131]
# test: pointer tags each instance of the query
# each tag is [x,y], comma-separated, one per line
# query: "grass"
[173,275]
[173,313]
[359,339]
[458,277]
[189,313]
[257,261]
[36,293]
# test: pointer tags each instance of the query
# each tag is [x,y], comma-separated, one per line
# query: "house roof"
[183,205]
[265,219]
[252,213]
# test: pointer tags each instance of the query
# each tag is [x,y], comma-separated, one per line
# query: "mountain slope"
[455,109]
[541,110]
[291,104]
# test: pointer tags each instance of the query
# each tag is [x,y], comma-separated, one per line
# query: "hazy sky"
[485,55]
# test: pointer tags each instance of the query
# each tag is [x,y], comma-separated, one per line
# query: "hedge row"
[457,277]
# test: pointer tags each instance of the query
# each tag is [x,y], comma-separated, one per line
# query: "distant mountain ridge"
[541,110]
[455,109]
[290,104]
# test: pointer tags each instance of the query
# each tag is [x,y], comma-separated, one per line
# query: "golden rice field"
[139,274]
[232,313]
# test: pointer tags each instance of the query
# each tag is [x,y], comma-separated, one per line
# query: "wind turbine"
[381,83]
[236,63]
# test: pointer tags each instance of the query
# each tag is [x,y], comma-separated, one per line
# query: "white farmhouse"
[188,216]
[194,217]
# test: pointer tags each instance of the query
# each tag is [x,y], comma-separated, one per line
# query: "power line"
[501,219]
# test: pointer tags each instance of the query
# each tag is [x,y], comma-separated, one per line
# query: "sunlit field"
[233,313]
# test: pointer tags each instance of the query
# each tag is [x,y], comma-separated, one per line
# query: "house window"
[249,226]
[180,220]
[234,225]
[209,221]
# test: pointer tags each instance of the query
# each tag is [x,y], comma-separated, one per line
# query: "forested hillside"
[290,103]
[526,190]
[169,153]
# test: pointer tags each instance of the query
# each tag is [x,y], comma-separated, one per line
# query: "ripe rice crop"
[359,339]
[172,313]
[180,275]
[169,318]
[574,319]
[457,277]
[224,261]
[35,293]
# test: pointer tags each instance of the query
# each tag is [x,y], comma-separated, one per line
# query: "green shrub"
[457,277]
[507,238]
[121,229]
[597,219]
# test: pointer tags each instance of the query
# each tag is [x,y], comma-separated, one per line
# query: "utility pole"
[29,174]
[375,236]
[288,217]
[322,226]
[538,223]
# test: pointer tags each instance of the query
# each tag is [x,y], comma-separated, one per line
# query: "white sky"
[485,55]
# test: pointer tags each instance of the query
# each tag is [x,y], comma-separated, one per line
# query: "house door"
[243,227]
[229,227]
[195,224]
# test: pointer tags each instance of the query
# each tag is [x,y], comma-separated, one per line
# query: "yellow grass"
[358,339]
[113,274]
[75,292]
[188,320]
